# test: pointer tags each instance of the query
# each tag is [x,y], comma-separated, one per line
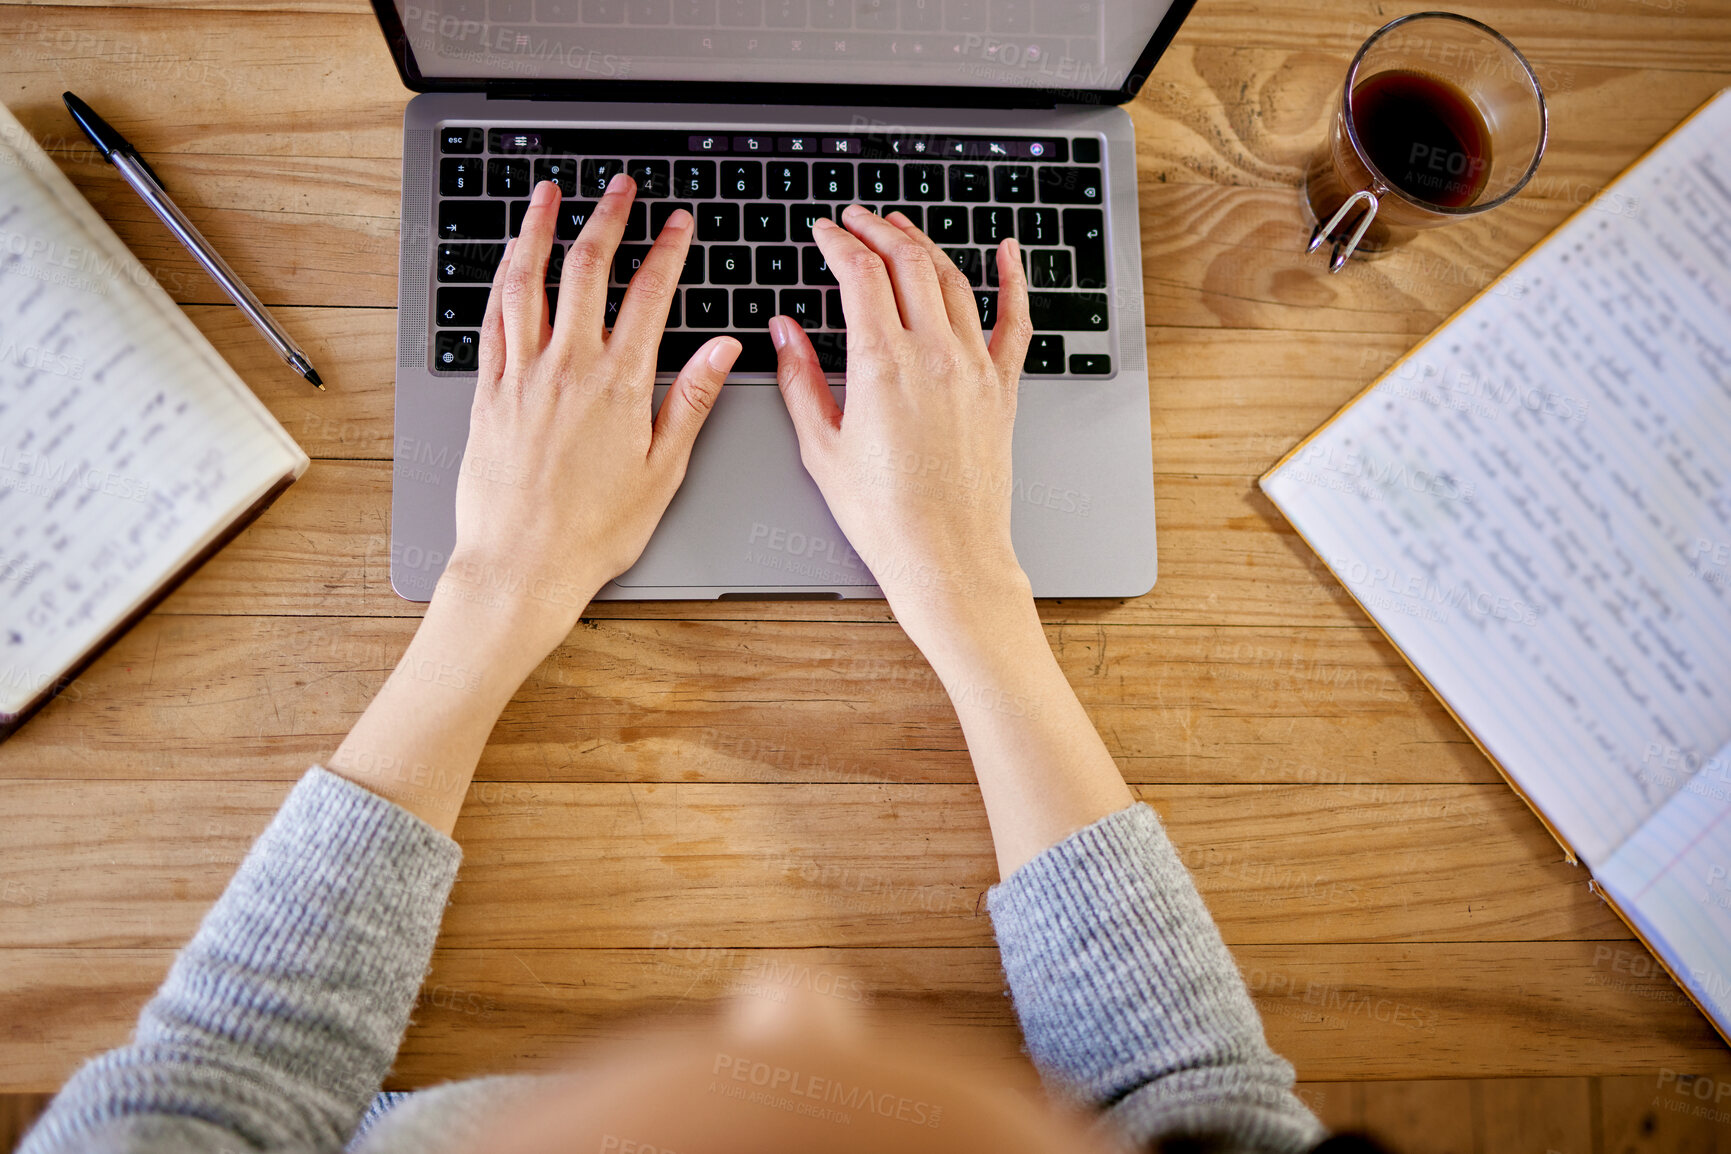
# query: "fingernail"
[822,222]
[777,333]
[677,219]
[725,352]
[1015,249]
[543,193]
[617,184]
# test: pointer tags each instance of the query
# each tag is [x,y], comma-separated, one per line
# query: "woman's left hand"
[566,474]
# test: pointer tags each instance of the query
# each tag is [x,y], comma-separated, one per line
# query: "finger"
[689,400]
[912,274]
[1009,344]
[866,295]
[525,285]
[959,304]
[492,357]
[588,265]
[816,418]
[643,313]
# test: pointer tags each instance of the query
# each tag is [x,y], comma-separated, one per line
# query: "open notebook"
[1535,506]
[129,450]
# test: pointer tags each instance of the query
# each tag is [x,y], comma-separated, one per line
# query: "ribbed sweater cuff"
[1127,994]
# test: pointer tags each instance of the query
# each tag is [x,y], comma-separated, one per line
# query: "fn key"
[456,352]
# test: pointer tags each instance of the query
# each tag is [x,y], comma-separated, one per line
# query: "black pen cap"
[100,132]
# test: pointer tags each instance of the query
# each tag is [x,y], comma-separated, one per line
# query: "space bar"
[757,354]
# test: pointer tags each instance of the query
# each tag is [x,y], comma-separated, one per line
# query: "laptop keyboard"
[754,198]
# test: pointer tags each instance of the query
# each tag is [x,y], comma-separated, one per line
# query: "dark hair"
[1213,1142]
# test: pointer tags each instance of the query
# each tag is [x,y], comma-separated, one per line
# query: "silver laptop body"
[748,521]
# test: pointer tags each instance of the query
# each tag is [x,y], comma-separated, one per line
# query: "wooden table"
[690,797]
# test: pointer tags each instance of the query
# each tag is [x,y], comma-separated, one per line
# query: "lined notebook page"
[1535,504]
[1673,880]
[126,443]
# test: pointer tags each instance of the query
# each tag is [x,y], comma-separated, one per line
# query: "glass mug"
[1441,118]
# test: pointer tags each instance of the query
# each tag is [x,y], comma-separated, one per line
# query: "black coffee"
[1425,135]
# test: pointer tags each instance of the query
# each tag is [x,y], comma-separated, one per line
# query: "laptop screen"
[1068,45]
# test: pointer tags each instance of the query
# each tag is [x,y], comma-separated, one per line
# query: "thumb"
[690,398]
[816,418]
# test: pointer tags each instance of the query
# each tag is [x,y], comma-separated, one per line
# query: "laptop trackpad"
[747,516]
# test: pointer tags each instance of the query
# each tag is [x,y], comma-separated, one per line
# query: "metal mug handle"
[1324,231]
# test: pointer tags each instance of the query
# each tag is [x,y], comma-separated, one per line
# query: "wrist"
[958,630]
[521,608]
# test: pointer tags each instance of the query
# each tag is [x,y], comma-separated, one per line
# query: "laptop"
[980,119]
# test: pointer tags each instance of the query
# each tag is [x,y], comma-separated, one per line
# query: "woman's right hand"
[917,470]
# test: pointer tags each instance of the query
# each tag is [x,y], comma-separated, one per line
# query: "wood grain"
[689,800]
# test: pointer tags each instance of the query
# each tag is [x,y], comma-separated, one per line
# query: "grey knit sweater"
[279,1021]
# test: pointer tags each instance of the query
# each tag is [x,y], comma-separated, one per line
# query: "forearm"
[1043,771]
[419,740]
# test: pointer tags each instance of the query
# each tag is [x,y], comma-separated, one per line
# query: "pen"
[144,182]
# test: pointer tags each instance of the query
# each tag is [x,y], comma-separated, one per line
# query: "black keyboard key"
[457,352]
[752,307]
[784,14]
[1037,225]
[1085,150]
[705,308]
[912,211]
[552,301]
[968,260]
[555,263]
[803,305]
[801,220]
[992,223]
[627,259]
[1045,354]
[1068,312]
[603,12]
[729,264]
[988,303]
[694,179]
[674,320]
[460,176]
[1014,183]
[832,180]
[787,179]
[1062,185]
[692,273]
[924,181]
[658,214]
[1090,364]
[1085,231]
[561,170]
[969,183]
[471,220]
[879,181]
[610,315]
[460,306]
[816,268]
[573,215]
[462,139]
[718,221]
[756,353]
[469,263]
[593,176]
[1048,268]
[765,222]
[520,209]
[652,177]
[831,350]
[649,11]
[778,264]
[947,224]
[742,179]
[636,222]
[837,319]
[507,176]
